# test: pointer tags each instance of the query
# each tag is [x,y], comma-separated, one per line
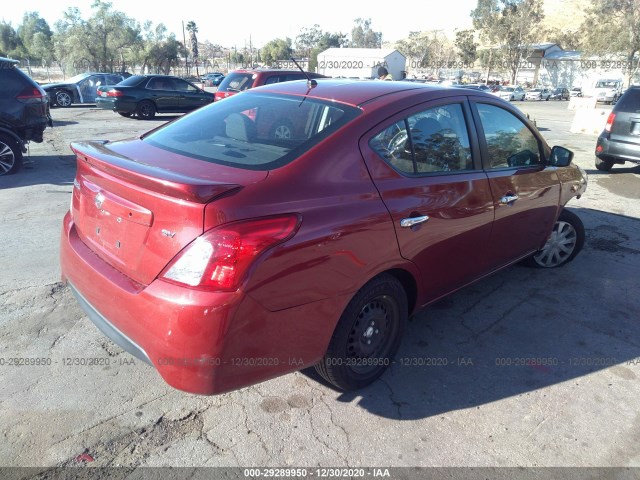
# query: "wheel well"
[409,285]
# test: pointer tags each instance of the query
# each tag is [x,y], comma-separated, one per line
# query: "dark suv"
[240,80]
[24,114]
[619,142]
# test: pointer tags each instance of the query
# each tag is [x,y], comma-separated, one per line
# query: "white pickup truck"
[607,90]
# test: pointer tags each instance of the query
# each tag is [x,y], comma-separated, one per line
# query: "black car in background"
[81,88]
[560,93]
[619,142]
[24,114]
[146,95]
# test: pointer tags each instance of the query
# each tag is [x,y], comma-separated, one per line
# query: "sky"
[235,24]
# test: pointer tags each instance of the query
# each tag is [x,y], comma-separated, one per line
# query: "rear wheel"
[604,165]
[367,336]
[146,110]
[564,243]
[62,98]
[10,155]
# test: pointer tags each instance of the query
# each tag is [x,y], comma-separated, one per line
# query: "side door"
[160,91]
[526,192]
[426,167]
[190,96]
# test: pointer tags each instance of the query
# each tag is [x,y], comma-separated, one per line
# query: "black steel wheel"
[367,335]
[604,165]
[146,110]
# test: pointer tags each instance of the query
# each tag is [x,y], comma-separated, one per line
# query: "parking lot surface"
[525,368]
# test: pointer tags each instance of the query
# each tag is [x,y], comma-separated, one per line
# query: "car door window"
[509,141]
[432,141]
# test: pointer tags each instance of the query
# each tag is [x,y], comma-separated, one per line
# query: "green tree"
[613,28]
[428,50]
[277,49]
[9,41]
[467,46]
[36,38]
[362,35]
[513,26]
[193,40]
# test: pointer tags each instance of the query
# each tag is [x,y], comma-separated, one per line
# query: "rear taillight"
[219,259]
[114,93]
[610,120]
[32,95]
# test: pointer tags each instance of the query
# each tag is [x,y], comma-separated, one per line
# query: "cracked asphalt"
[526,368]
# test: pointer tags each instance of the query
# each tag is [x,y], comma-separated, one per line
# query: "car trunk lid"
[136,206]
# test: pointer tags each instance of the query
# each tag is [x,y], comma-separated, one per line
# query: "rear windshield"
[630,101]
[236,82]
[132,81]
[253,131]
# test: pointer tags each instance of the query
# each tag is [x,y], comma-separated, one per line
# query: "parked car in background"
[606,90]
[575,92]
[224,255]
[538,94]
[476,86]
[511,93]
[146,95]
[560,93]
[79,89]
[212,79]
[24,114]
[619,142]
[241,80]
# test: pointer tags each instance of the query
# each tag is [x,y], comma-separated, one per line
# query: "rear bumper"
[199,341]
[115,105]
[617,151]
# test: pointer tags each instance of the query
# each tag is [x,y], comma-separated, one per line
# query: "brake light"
[114,93]
[220,258]
[609,124]
[32,95]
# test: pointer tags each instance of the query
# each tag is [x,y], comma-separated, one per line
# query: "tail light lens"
[609,124]
[220,258]
[32,95]
[114,93]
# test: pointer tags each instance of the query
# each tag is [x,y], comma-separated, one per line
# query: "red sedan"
[225,254]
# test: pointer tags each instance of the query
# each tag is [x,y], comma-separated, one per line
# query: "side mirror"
[560,157]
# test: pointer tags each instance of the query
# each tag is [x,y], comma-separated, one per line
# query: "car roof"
[360,92]
[8,60]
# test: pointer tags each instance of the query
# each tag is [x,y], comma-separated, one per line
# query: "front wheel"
[10,155]
[63,99]
[367,336]
[564,243]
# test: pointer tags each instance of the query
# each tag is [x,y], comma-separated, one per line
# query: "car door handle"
[411,221]
[509,198]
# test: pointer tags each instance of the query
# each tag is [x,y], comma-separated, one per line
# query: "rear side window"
[12,80]
[432,141]
[254,132]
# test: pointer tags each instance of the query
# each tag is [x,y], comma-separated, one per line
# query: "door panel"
[525,192]
[427,175]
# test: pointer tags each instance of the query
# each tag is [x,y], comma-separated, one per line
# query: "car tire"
[282,130]
[125,114]
[10,155]
[604,165]
[367,335]
[62,98]
[146,110]
[564,243]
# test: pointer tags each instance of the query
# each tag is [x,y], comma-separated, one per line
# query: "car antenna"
[311,83]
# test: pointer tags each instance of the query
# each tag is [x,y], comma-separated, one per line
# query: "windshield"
[254,132]
[132,80]
[607,84]
[77,78]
